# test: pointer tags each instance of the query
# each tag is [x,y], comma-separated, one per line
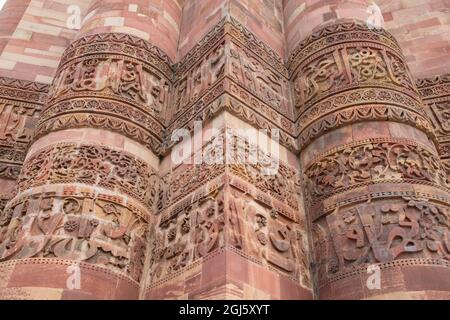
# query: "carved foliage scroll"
[380,232]
[92,164]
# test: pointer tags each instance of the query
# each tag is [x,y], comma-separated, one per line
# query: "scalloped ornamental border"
[336,28]
[116,37]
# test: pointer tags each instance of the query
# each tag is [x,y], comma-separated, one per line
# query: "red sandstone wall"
[422,28]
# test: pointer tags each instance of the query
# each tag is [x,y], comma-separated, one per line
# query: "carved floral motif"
[370,162]
[92,164]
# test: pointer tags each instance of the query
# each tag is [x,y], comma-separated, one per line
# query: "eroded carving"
[380,232]
[94,165]
[370,162]
[93,228]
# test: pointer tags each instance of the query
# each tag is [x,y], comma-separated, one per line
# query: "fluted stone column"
[78,226]
[227,230]
[376,192]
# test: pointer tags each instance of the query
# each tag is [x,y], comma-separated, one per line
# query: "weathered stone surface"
[94,205]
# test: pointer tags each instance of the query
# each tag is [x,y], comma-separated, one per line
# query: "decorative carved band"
[80,226]
[364,194]
[91,164]
[381,232]
[346,116]
[111,115]
[117,68]
[440,113]
[246,69]
[4,199]
[230,26]
[353,65]
[372,161]
[17,294]
[217,219]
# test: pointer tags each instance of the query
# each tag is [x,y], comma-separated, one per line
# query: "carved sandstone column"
[376,192]
[227,230]
[78,226]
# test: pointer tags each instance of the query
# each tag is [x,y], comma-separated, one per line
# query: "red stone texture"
[423,31]
[228,275]
[93,204]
